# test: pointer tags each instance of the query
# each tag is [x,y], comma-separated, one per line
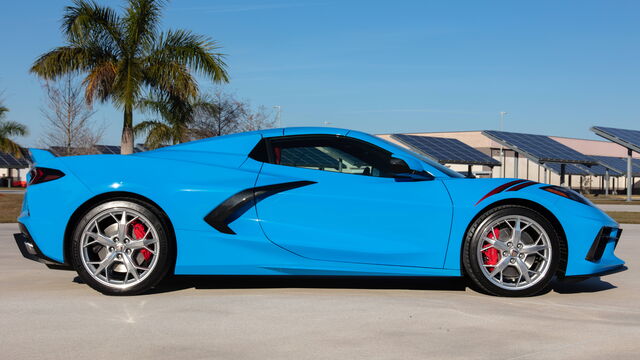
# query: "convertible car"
[303,201]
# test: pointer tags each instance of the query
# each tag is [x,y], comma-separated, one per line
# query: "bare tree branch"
[70,126]
[222,114]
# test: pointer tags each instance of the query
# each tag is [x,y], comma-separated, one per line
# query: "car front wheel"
[511,251]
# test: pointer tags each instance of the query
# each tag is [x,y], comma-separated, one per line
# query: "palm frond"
[9,146]
[86,20]
[3,111]
[171,78]
[129,82]
[141,23]
[68,59]
[195,51]
[158,136]
[145,126]
[99,82]
[12,128]
[173,110]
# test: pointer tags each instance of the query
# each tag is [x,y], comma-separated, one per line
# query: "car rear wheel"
[511,251]
[121,248]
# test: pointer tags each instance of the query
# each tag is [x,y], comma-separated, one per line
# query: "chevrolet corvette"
[303,201]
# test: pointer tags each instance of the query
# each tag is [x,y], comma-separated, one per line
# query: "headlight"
[567,193]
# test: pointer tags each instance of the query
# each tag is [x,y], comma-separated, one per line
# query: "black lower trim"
[601,241]
[615,270]
[230,209]
[30,250]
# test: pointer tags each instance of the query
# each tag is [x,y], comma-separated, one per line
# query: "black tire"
[164,250]
[472,264]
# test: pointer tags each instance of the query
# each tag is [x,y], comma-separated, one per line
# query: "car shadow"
[182,282]
[589,285]
[213,282]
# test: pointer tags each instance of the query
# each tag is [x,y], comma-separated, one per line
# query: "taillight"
[39,175]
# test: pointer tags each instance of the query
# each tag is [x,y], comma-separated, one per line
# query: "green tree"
[7,130]
[172,126]
[124,55]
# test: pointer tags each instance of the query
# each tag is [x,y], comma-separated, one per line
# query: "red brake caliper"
[491,255]
[138,232]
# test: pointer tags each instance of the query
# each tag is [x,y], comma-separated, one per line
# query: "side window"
[331,153]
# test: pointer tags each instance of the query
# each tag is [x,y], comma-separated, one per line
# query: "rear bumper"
[30,250]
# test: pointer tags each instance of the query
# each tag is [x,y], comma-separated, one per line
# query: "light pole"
[278,115]
[502,114]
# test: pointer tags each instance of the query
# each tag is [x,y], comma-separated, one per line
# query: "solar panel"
[617,164]
[627,138]
[599,170]
[579,169]
[570,169]
[69,151]
[97,149]
[8,161]
[445,150]
[107,149]
[540,148]
[307,157]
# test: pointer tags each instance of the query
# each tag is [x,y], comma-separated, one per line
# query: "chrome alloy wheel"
[119,247]
[514,252]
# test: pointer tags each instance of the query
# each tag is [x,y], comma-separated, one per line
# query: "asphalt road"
[46,314]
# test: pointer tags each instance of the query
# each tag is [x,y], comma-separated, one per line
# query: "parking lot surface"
[47,314]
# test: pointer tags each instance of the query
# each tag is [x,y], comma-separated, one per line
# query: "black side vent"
[233,207]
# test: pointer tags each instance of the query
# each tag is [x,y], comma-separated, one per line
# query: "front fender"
[580,223]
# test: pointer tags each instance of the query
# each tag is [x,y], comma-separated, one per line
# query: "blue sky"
[557,67]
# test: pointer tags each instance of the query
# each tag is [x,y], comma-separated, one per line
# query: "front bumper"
[30,250]
[605,236]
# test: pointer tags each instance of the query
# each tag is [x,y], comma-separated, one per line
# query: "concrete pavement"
[46,314]
[616,207]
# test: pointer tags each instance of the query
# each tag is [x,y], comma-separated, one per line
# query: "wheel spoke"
[122,226]
[517,231]
[523,269]
[143,243]
[100,239]
[532,249]
[500,245]
[104,264]
[131,268]
[500,266]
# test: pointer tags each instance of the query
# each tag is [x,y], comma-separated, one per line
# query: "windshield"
[435,164]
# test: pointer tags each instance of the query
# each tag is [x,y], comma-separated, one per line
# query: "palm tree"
[8,129]
[173,125]
[125,55]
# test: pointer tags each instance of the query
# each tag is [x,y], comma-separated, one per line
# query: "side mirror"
[399,166]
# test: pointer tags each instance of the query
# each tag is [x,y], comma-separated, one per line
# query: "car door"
[345,205]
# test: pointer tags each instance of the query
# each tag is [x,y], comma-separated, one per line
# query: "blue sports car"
[303,201]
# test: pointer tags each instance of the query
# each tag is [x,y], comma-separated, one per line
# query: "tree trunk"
[126,145]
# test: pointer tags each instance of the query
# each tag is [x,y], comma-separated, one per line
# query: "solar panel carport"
[629,139]
[446,150]
[541,149]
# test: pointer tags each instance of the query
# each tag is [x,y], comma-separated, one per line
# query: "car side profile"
[303,201]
